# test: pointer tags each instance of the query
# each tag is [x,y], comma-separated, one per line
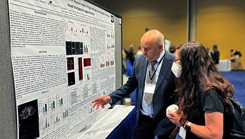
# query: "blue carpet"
[237,79]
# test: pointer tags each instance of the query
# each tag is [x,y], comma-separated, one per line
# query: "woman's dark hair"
[199,74]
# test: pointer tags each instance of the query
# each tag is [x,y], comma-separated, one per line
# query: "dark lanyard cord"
[151,77]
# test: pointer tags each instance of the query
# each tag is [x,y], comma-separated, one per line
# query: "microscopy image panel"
[68,48]
[80,68]
[71,78]
[70,63]
[87,62]
[28,120]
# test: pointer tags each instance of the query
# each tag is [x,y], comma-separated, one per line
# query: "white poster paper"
[63,56]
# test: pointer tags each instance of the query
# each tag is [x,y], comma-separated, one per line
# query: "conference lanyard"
[151,77]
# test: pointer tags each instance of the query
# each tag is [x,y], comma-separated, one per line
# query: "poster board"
[64,54]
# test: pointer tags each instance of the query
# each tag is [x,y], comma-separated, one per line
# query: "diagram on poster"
[63,56]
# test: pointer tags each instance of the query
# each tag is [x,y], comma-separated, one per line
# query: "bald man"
[156,83]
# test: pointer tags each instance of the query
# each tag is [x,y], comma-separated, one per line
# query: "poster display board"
[63,56]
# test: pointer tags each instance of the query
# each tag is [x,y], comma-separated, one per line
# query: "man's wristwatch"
[188,126]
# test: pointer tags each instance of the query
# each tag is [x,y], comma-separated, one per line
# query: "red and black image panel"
[80,68]
[70,63]
[87,62]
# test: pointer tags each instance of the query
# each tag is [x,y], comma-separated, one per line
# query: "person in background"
[202,93]
[129,66]
[215,54]
[156,84]
[124,65]
[235,57]
[208,50]
[172,48]
[130,53]
[139,52]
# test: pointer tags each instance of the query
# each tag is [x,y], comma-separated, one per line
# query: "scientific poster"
[63,56]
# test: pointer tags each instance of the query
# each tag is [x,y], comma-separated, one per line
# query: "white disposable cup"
[174,108]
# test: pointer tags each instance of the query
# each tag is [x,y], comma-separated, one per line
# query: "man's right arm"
[101,101]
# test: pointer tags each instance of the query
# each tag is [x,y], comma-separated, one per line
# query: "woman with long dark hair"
[202,93]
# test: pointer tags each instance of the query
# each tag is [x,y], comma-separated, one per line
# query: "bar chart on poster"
[63,56]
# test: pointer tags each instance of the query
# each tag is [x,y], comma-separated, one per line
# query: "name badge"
[149,88]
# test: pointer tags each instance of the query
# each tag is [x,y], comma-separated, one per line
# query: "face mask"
[176,69]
